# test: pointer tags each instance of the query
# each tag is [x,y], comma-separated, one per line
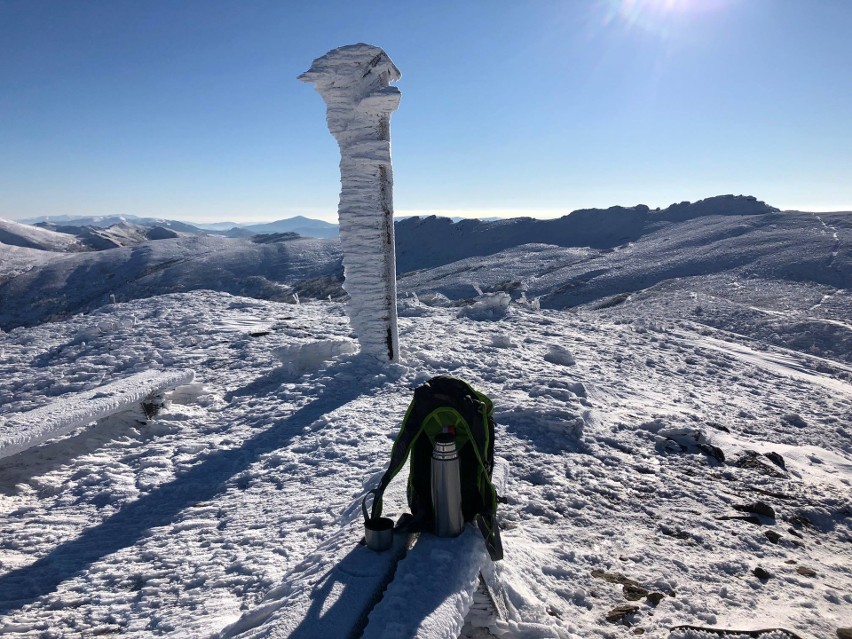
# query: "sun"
[655,15]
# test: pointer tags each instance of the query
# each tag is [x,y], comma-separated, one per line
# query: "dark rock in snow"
[758,508]
[761,574]
[806,572]
[620,613]
[633,592]
[752,519]
[772,536]
[844,633]
[614,578]
[752,460]
[794,419]
[713,451]
[800,521]
[655,598]
[776,459]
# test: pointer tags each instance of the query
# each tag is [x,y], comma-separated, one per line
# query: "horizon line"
[464,213]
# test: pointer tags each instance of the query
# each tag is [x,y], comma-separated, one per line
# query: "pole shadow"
[160,507]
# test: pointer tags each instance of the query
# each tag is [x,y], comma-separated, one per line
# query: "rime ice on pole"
[355,82]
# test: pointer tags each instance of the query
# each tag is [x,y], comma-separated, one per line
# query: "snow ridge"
[354,82]
[24,430]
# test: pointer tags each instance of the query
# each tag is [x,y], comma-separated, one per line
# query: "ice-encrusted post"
[355,82]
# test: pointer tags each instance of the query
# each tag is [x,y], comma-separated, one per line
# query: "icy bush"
[408,305]
[488,307]
[435,299]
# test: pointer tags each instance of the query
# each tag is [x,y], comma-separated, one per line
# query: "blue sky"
[191,110]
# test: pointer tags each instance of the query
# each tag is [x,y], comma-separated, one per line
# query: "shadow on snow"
[159,507]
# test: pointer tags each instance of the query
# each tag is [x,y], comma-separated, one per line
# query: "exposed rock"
[671,532]
[776,459]
[614,578]
[752,519]
[806,572]
[844,633]
[713,451]
[794,419]
[655,598]
[800,521]
[752,460]
[758,508]
[633,592]
[731,632]
[761,574]
[772,536]
[620,613]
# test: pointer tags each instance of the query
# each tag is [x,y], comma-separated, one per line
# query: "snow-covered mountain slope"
[85,281]
[106,221]
[304,226]
[429,242]
[101,238]
[663,472]
[748,273]
[15,260]
[736,252]
[26,236]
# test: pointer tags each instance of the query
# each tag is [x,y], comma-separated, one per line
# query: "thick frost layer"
[432,589]
[23,430]
[354,82]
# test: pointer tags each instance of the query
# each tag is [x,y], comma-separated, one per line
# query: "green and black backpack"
[447,403]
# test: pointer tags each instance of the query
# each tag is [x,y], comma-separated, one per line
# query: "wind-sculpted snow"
[84,281]
[191,523]
[355,82]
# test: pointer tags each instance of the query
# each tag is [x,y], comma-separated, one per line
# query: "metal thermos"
[446,487]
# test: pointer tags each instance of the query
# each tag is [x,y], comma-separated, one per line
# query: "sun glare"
[654,15]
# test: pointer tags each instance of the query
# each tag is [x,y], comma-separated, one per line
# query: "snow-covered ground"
[27,236]
[680,446]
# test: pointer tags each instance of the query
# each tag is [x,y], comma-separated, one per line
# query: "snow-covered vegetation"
[675,407]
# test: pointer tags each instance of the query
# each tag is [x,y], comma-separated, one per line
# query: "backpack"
[447,402]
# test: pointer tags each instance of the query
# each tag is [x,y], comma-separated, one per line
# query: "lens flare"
[657,16]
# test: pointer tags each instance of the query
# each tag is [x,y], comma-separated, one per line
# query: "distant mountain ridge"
[586,258]
[433,241]
[106,221]
[304,226]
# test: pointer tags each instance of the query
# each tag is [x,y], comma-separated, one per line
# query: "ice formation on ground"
[51,420]
[354,82]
